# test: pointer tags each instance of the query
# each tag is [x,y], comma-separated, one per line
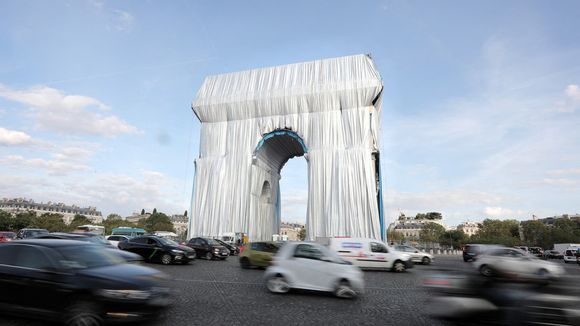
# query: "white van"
[370,254]
[570,255]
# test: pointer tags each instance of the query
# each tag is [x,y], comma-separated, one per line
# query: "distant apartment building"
[291,231]
[17,205]
[179,224]
[469,228]
[135,217]
[549,221]
[410,227]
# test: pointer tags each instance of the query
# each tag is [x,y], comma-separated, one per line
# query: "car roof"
[48,242]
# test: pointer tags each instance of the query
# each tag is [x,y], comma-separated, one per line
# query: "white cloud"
[564,171]
[12,137]
[124,21]
[562,181]
[504,213]
[573,92]
[56,166]
[51,109]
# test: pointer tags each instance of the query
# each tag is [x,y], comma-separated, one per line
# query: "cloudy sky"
[481,109]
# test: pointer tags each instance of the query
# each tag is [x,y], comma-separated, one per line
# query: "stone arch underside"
[332,105]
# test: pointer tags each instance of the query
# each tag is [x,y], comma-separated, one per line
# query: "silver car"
[417,256]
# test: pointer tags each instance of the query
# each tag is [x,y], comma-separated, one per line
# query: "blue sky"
[480,109]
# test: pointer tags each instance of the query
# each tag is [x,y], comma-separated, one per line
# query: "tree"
[185,213]
[420,216]
[453,238]
[24,219]
[114,216]
[157,222]
[394,236]
[536,233]
[302,234]
[77,221]
[6,220]
[433,216]
[431,232]
[111,223]
[50,221]
[154,210]
[504,232]
[143,211]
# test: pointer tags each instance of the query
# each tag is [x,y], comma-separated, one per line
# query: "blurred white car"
[514,264]
[311,266]
[417,256]
[115,239]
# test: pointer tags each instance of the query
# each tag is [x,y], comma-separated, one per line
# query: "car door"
[379,257]
[309,270]
[137,245]
[153,249]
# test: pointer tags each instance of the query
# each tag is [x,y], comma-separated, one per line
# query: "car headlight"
[125,294]
[216,250]
[176,251]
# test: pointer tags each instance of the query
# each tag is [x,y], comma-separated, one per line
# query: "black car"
[208,248]
[30,233]
[234,250]
[157,249]
[471,251]
[94,239]
[77,284]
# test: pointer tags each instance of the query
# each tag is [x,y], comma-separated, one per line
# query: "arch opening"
[271,154]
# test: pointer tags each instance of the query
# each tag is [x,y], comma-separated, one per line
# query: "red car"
[6,236]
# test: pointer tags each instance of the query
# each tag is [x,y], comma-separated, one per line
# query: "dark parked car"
[553,254]
[157,249]
[30,233]
[208,248]
[77,284]
[234,250]
[94,239]
[6,236]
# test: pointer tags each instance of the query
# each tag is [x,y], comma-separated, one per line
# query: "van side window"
[377,247]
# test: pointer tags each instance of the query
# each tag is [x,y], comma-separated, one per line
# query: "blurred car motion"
[417,256]
[311,266]
[471,251]
[258,254]
[6,236]
[513,264]
[96,240]
[553,254]
[208,248]
[469,299]
[115,239]
[156,249]
[30,233]
[370,254]
[76,283]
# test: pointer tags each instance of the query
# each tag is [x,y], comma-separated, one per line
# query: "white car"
[115,239]
[514,264]
[311,266]
[417,256]
[370,254]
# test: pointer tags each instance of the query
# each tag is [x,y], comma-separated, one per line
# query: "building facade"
[291,231]
[469,228]
[18,205]
[410,227]
[180,224]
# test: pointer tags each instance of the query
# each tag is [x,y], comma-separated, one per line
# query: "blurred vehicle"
[128,231]
[96,229]
[561,247]
[570,255]
[115,239]
[370,254]
[258,254]
[312,266]
[234,250]
[468,299]
[536,251]
[155,249]
[471,251]
[208,248]
[417,256]
[76,283]
[96,240]
[6,236]
[513,264]
[553,254]
[30,233]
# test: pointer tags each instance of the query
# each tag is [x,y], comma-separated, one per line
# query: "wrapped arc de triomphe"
[253,122]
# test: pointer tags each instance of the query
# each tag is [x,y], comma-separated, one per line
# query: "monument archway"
[253,122]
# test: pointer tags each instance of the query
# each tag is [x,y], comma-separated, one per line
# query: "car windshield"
[213,242]
[168,242]
[96,240]
[88,256]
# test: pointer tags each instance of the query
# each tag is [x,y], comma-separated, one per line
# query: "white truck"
[570,251]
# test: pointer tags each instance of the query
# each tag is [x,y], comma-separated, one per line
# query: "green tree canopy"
[50,221]
[158,222]
[453,238]
[114,216]
[431,232]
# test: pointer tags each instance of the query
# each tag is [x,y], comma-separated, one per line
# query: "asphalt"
[221,293]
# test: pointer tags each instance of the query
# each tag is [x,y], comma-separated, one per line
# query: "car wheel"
[399,266]
[208,256]
[344,290]
[245,263]
[425,261]
[486,271]
[278,284]
[83,314]
[166,259]
[544,275]
[565,262]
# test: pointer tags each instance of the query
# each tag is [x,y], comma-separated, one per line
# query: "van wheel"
[426,261]
[398,266]
[486,271]
[83,314]
[344,290]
